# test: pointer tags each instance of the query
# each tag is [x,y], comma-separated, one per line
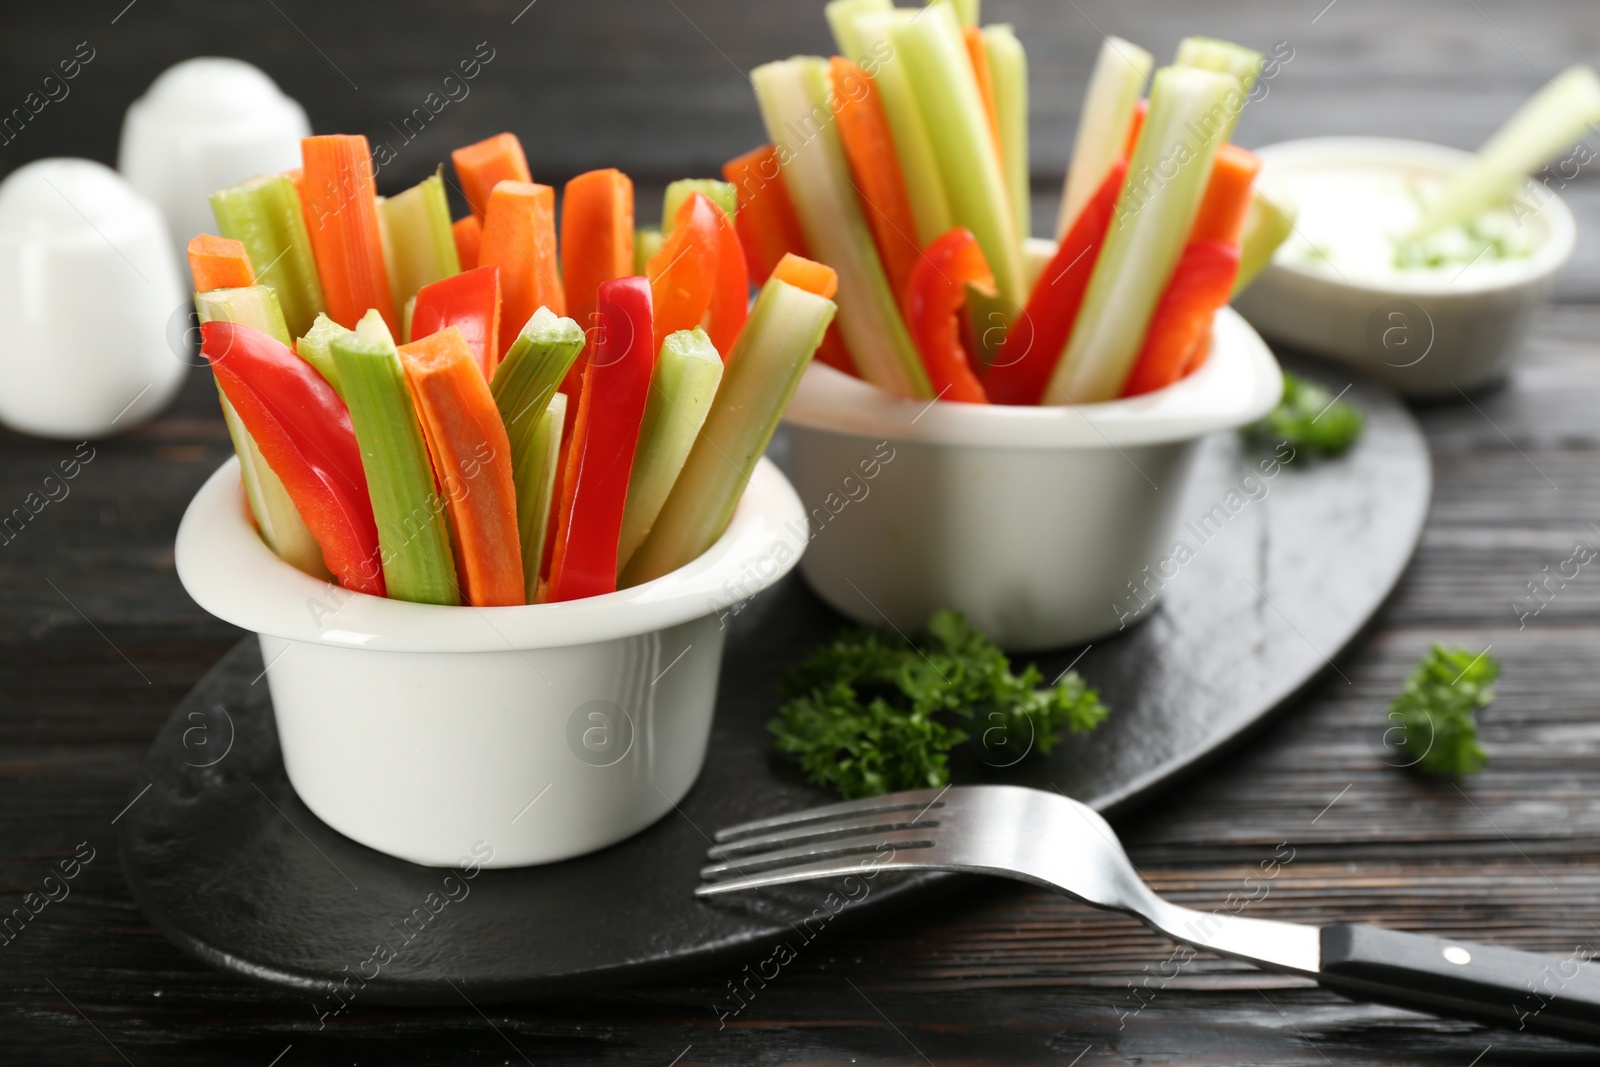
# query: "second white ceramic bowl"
[1028,520]
[542,732]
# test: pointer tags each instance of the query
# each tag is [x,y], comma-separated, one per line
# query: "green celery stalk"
[278,520]
[1115,86]
[908,126]
[841,16]
[935,55]
[535,456]
[1544,127]
[1166,179]
[417,243]
[792,93]
[966,10]
[1224,57]
[264,213]
[534,367]
[646,243]
[721,193]
[413,534]
[313,348]
[785,327]
[1267,225]
[1008,64]
[682,386]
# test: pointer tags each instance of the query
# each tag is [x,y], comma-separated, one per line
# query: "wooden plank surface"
[98,640]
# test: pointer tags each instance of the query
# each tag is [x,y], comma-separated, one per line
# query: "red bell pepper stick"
[684,273]
[730,292]
[935,293]
[468,236]
[303,430]
[469,301]
[341,206]
[1028,356]
[595,487]
[768,227]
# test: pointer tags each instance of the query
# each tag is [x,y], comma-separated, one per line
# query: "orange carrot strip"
[341,205]
[482,166]
[869,147]
[218,263]
[596,239]
[519,237]
[468,234]
[767,225]
[1227,195]
[472,457]
[808,274]
[1135,125]
[978,52]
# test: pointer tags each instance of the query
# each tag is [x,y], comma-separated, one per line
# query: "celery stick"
[1114,90]
[841,16]
[817,177]
[264,213]
[721,193]
[1166,179]
[413,535]
[681,389]
[313,348]
[908,126]
[417,243]
[1266,225]
[646,243]
[785,328]
[966,10]
[1224,57]
[535,456]
[278,520]
[1008,64]
[1547,125]
[534,367]
[932,49]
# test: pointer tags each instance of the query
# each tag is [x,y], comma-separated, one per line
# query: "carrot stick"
[978,52]
[767,225]
[472,457]
[482,166]
[340,201]
[596,238]
[1135,125]
[218,263]
[1227,196]
[468,234]
[519,237]
[869,147]
[807,274]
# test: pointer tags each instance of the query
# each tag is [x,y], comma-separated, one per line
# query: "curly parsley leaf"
[1310,420]
[870,713]
[1435,715]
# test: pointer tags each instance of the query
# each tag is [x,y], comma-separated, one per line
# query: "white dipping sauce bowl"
[1427,335]
[205,124]
[88,286]
[546,730]
[1030,521]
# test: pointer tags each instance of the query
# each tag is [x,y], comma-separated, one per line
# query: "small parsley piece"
[1310,420]
[1435,714]
[870,713]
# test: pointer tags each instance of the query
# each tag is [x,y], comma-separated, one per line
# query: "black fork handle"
[1484,983]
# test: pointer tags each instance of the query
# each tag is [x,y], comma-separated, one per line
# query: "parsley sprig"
[1435,715]
[1310,420]
[871,713]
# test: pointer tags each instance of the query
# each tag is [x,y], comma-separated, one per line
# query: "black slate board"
[227,862]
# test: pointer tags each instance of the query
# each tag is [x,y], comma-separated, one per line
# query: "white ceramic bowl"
[88,285]
[547,730]
[205,124]
[1029,520]
[1425,336]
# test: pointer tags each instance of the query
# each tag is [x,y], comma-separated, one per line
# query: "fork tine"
[889,802]
[902,819]
[848,846]
[811,871]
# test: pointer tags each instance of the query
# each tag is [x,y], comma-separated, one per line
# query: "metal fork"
[1049,840]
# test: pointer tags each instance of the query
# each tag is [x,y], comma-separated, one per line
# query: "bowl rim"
[230,572]
[1311,152]
[1238,384]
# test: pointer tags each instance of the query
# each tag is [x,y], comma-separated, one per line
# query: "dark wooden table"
[98,641]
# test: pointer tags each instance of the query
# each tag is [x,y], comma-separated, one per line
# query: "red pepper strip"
[1201,283]
[1028,356]
[303,430]
[595,486]
[469,301]
[935,294]
[684,273]
[730,293]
